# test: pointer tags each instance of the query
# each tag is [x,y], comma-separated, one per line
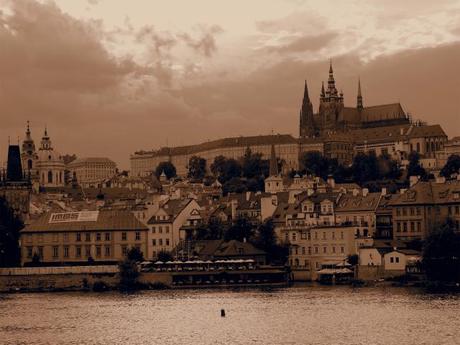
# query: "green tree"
[135,254]
[253,165]
[240,230]
[128,273]
[234,185]
[414,168]
[365,168]
[441,254]
[196,168]
[168,168]
[217,167]
[314,163]
[451,167]
[10,225]
[164,256]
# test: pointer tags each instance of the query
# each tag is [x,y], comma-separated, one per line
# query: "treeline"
[261,235]
[367,170]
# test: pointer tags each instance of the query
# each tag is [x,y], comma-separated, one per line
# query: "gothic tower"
[307,125]
[359,98]
[29,154]
[331,103]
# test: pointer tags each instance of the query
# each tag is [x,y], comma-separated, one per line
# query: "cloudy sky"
[109,77]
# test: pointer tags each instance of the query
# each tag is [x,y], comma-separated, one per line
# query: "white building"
[50,164]
[92,171]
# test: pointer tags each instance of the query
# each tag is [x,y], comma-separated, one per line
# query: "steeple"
[307,126]
[359,99]
[331,90]
[323,94]
[46,142]
[273,162]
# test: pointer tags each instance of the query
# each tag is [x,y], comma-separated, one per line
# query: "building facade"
[92,171]
[78,237]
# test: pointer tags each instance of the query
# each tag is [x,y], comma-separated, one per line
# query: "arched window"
[50,177]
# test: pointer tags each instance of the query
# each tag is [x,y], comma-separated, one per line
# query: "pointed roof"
[273,162]
[306,97]
[359,99]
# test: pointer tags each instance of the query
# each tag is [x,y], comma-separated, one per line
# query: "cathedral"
[334,116]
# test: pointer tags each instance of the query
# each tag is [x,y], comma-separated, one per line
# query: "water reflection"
[299,315]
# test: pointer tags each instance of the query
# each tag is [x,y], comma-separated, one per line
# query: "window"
[398,227]
[87,251]
[124,250]
[153,229]
[55,252]
[123,236]
[167,229]
[78,235]
[341,235]
[324,235]
[419,211]
[391,259]
[398,211]
[160,242]
[66,251]
[87,237]
[309,250]
[107,251]
[412,211]
[66,237]
[342,250]
[98,251]
[397,260]
[98,236]
[138,235]
[324,250]
[294,236]
[40,252]
[333,250]
[107,236]
[154,242]
[167,241]
[50,177]
[316,235]
[412,226]
[303,250]
[78,251]
[333,235]
[160,229]
[316,250]
[405,227]
[29,252]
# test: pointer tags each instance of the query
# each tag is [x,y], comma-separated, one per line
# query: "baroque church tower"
[29,155]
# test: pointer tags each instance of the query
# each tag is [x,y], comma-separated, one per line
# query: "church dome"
[49,155]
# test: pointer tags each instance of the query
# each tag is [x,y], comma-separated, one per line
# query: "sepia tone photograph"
[276,172]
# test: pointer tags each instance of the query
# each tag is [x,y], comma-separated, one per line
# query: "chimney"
[234,207]
[384,191]
[413,180]
[440,179]
[248,196]
[331,181]
[355,192]
[365,192]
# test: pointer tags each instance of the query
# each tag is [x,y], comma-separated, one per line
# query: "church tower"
[359,98]
[307,125]
[29,154]
[331,103]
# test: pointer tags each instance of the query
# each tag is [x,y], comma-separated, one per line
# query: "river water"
[297,315]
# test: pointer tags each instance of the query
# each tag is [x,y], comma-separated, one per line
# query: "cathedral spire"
[273,162]
[331,90]
[323,94]
[359,99]
[306,97]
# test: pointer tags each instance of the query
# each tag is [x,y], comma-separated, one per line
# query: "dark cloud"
[205,43]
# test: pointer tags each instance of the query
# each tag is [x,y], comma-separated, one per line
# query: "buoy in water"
[222,312]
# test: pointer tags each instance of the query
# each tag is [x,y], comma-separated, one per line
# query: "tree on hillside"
[365,168]
[253,165]
[242,229]
[314,163]
[230,169]
[217,166]
[441,254]
[414,168]
[10,225]
[388,167]
[168,168]
[451,167]
[196,168]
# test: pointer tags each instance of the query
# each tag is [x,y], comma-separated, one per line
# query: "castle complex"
[337,131]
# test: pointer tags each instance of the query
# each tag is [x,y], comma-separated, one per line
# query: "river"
[297,315]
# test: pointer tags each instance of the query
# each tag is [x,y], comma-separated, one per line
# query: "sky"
[110,77]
